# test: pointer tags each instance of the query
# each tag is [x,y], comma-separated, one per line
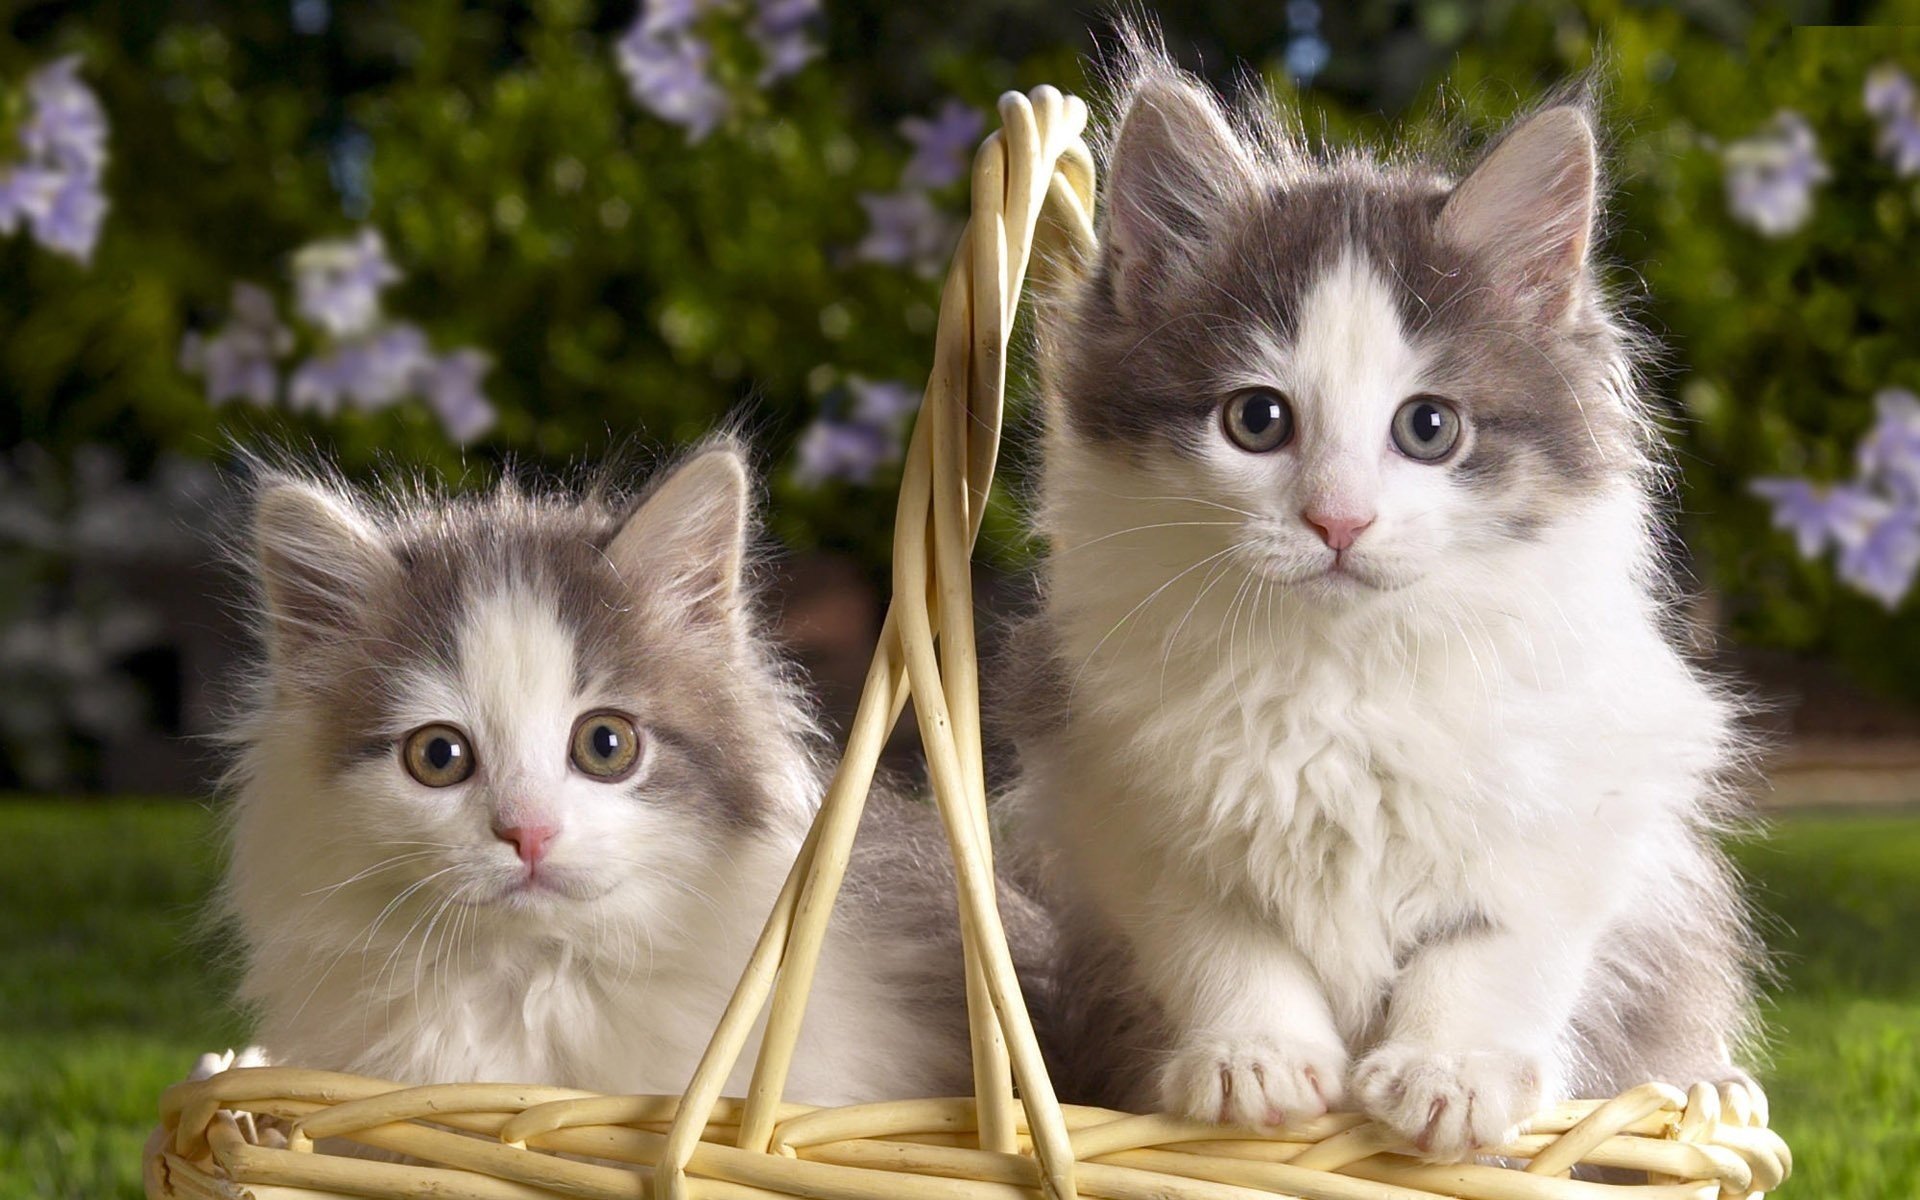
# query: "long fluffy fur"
[379,931]
[1442,840]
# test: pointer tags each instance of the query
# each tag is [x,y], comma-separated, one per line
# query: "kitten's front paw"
[1262,1082]
[1449,1104]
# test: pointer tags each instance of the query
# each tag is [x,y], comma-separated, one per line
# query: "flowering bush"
[369,362]
[1766,217]
[445,235]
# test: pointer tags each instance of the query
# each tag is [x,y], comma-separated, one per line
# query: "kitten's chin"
[1336,581]
[545,890]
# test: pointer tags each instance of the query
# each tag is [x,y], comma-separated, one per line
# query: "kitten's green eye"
[605,746]
[1426,429]
[437,755]
[1257,420]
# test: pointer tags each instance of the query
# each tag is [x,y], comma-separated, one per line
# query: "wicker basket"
[1032,185]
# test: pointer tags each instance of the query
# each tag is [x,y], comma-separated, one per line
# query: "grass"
[107,993]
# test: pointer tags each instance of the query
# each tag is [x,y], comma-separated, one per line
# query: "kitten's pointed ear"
[1528,208]
[688,539]
[318,560]
[1177,169]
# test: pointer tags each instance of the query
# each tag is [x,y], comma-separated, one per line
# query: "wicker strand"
[939,516]
[270,1133]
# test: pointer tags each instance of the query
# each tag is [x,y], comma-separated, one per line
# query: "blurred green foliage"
[631,286]
[1772,347]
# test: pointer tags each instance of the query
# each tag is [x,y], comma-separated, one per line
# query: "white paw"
[1449,1105]
[1262,1082]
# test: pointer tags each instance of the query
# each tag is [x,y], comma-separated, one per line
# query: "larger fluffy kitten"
[518,789]
[1362,758]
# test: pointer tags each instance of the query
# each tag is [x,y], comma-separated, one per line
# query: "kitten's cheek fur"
[1261,1082]
[1449,1105]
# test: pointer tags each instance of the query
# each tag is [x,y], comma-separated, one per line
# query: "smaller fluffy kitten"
[1365,766]
[519,784]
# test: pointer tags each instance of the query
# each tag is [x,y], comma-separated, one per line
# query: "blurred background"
[422,235]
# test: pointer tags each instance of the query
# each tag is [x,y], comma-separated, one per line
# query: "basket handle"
[1032,179]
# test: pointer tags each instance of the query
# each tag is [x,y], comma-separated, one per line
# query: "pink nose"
[530,842]
[1338,530]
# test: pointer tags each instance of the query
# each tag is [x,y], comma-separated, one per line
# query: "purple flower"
[71,224]
[905,228]
[452,388]
[55,190]
[884,402]
[665,63]
[26,195]
[1884,562]
[371,372]
[318,384]
[1890,452]
[68,128]
[848,450]
[1889,92]
[782,29]
[386,366]
[670,16]
[1818,514]
[1771,175]
[338,283]
[943,144]
[239,361]
[1899,142]
[389,366]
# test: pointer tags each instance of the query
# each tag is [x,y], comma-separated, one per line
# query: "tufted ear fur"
[1176,169]
[688,538]
[1528,208]
[318,560]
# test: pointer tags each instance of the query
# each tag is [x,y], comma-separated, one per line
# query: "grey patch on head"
[726,714]
[1550,402]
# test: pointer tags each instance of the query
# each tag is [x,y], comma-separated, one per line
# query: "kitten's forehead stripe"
[502,602]
[516,675]
[1151,380]
[1350,348]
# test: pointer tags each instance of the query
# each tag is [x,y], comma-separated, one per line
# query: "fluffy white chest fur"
[1365,782]
[431,997]
[1319,829]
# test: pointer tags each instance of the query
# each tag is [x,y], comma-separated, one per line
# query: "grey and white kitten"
[1362,758]
[517,789]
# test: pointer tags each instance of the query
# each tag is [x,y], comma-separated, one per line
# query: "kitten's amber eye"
[1426,428]
[1257,420]
[437,755]
[605,746]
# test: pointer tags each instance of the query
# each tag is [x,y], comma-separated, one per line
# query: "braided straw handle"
[1035,166]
